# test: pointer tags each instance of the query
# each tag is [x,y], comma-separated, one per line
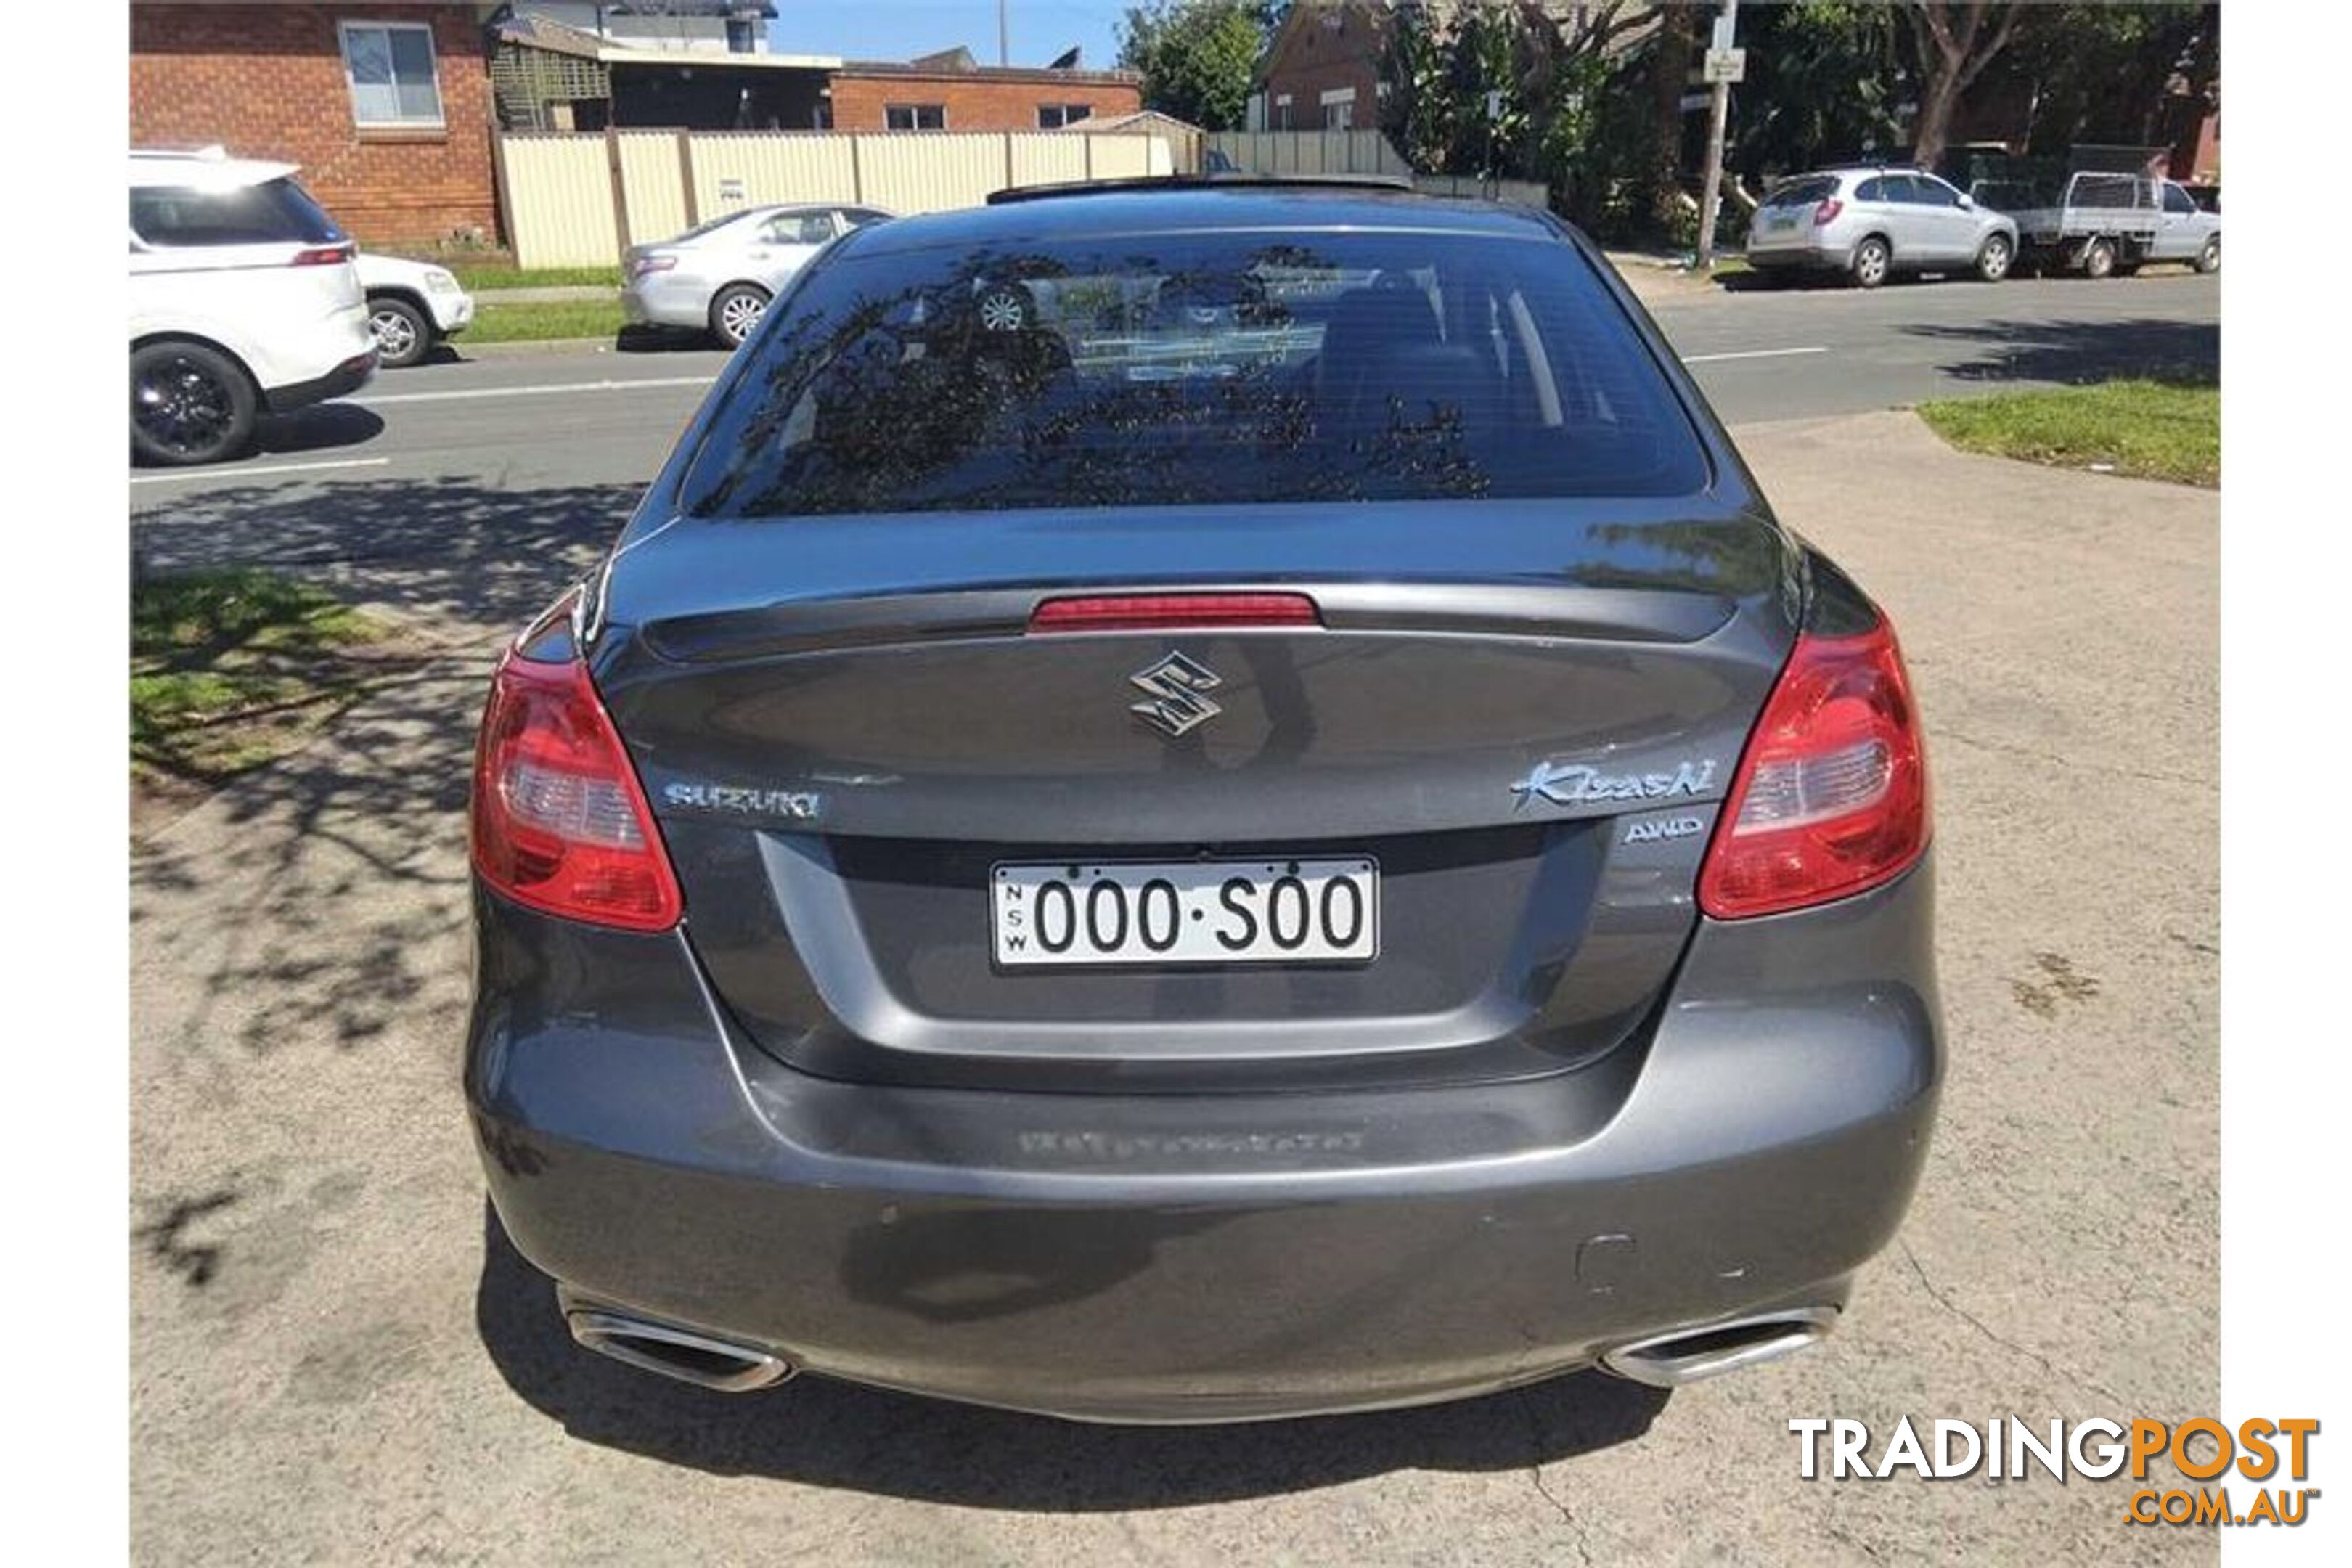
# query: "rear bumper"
[1771,255]
[345,378]
[1188,1257]
[663,299]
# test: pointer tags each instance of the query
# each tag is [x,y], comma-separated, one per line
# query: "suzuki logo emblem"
[1175,685]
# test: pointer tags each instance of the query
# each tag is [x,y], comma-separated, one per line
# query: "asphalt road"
[335,1359]
[574,417]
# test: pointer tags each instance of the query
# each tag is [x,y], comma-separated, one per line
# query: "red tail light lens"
[641,264]
[321,256]
[1168,612]
[559,822]
[1832,797]
[1828,208]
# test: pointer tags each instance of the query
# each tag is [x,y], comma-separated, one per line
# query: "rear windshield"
[275,212]
[1160,370]
[1803,192]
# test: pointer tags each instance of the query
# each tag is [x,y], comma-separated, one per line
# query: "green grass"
[496,323]
[478,278]
[231,668]
[2150,429]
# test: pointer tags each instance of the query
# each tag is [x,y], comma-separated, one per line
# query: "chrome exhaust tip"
[1687,1355]
[682,1354]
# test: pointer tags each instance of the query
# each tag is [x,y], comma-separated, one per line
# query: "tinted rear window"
[1804,192]
[1160,370]
[276,212]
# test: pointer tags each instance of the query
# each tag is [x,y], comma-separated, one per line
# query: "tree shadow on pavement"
[819,1432]
[2070,354]
[319,901]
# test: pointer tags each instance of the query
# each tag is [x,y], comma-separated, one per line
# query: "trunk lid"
[1525,720]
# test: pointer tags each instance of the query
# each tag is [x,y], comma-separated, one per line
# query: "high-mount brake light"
[1173,612]
[559,822]
[1832,797]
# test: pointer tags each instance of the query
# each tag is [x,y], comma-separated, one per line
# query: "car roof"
[1160,206]
[209,166]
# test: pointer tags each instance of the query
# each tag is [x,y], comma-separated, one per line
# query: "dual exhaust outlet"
[1662,1361]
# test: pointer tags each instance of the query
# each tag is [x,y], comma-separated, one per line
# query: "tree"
[1197,56]
[1953,41]
[1825,78]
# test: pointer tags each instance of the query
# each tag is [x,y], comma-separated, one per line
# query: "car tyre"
[1004,308]
[1995,259]
[735,313]
[402,335]
[2209,258]
[190,403]
[1871,261]
[2099,261]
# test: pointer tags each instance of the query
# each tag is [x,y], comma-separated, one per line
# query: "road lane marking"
[202,473]
[542,389]
[1749,353]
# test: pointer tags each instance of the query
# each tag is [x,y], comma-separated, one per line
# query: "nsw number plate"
[1191,911]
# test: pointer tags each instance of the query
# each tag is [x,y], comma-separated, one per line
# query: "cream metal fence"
[577,199]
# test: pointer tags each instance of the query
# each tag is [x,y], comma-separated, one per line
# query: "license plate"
[1189,911]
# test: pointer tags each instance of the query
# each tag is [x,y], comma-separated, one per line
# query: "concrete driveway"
[337,1359]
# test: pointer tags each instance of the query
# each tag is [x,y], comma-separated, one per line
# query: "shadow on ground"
[335,878]
[2074,352]
[823,1433]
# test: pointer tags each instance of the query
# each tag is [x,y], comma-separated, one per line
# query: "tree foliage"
[1197,56]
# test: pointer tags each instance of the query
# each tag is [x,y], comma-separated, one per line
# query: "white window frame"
[343,30]
[916,111]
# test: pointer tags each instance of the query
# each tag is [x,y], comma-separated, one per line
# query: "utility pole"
[1003,38]
[1727,19]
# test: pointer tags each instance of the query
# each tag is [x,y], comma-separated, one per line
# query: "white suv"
[243,298]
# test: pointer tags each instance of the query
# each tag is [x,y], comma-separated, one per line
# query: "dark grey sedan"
[1290,835]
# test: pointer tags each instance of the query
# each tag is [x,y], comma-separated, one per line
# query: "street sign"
[1726,65]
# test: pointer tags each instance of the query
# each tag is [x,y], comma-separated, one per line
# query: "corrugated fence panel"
[1128,157]
[560,193]
[1050,157]
[654,185]
[1363,151]
[922,172]
[560,200]
[734,169]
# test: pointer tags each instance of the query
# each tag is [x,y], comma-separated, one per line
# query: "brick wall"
[974,103]
[1323,50]
[267,81]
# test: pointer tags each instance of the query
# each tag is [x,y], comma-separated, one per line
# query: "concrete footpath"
[335,1360]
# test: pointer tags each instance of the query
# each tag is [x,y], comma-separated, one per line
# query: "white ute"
[243,298]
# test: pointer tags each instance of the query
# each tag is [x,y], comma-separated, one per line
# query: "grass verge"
[233,669]
[2148,429]
[496,323]
[480,280]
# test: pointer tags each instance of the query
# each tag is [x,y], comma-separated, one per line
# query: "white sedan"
[412,307]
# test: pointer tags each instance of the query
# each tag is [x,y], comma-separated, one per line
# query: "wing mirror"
[1968,201]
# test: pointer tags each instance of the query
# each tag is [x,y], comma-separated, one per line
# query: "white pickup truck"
[2106,224]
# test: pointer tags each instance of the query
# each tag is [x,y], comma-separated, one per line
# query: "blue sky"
[900,29]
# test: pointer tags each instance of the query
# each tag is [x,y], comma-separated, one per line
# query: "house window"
[1338,116]
[390,68]
[915,117]
[1054,116]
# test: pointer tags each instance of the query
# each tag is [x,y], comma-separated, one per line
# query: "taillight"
[1828,208]
[321,256]
[1171,612]
[559,822]
[641,264]
[1831,797]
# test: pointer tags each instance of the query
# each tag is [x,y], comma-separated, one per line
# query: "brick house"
[386,106]
[950,91]
[1322,70]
